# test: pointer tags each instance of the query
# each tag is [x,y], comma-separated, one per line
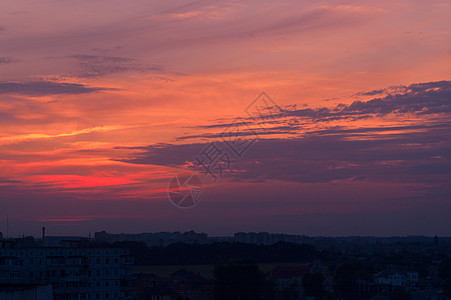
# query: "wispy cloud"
[354,8]
[35,136]
[70,219]
[201,10]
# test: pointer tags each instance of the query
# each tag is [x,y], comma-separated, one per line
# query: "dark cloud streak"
[417,99]
[8,60]
[420,99]
[96,65]
[44,88]
[418,152]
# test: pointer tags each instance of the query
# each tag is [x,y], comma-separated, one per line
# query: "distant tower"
[436,243]
[43,232]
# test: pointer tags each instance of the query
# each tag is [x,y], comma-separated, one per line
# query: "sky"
[304,117]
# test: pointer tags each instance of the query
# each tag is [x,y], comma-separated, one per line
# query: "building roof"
[160,290]
[185,275]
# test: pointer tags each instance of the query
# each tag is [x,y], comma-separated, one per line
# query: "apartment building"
[74,272]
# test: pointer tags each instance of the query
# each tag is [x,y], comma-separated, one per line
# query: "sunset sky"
[103,102]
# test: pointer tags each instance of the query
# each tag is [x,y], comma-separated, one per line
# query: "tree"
[345,278]
[238,279]
[312,283]
[447,288]
[399,294]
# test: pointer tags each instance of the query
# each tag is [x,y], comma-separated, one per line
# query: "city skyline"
[103,103]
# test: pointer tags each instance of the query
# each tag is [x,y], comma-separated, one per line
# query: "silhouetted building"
[288,279]
[73,272]
[153,239]
[404,279]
